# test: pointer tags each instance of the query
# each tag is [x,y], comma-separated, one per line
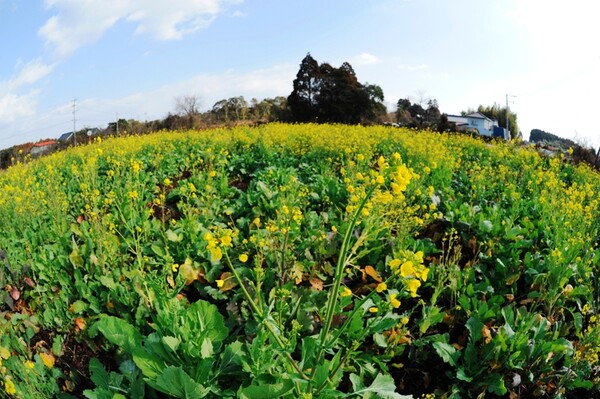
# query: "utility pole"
[117,123]
[74,120]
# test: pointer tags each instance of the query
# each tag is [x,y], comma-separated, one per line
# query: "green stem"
[339,273]
[258,312]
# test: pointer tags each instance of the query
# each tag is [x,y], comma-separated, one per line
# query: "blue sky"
[134,57]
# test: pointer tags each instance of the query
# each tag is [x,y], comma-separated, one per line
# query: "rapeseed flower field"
[299,261]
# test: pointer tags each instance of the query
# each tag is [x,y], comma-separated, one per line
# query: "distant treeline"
[540,136]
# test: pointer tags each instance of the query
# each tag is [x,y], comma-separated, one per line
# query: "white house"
[484,125]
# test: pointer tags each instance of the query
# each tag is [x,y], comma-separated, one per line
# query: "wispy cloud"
[17,98]
[32,72]
[366,59]
[78,23]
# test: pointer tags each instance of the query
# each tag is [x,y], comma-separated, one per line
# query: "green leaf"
[171,342]
[108,282]
[76,258]
[383,386]
[231,358]
[158,250]
[174,237]
[150,365]
[495,384]
[267,391]
[447,352]
[98,374]
[206,350]
[486,226]
[176,382]
[204,317]
[474,326]
[461,375]
[79,306]
[120,333]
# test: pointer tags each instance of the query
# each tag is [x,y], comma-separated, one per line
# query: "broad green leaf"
[206,349]
[383,387]
[176,382]
[78,307]
[76,258]
[120,333]
[150,365]
[171,342]
[447,352]
[461,375]
[231,358]
[267,391]
[108,282]
[474,326]
[204,317]
[98,374]
[174,237]
[495,384]
[486,226]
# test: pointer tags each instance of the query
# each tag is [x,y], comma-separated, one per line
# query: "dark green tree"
[303,99]
[323,93]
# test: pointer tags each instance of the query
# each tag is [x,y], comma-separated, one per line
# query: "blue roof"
[65,136]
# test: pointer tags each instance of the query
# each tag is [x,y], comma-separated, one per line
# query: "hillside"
[299,261]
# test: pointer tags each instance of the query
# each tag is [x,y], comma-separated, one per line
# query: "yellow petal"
[48,359]
[381,287]
[395,303]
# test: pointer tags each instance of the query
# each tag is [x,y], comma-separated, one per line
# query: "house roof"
[45,143]
[477,115]
[65,136]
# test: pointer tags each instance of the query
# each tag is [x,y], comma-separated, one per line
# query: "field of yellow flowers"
[299,261]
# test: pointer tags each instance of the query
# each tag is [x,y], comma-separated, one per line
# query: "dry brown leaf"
[316,284]
[229,282]
[370,271]
[79,324]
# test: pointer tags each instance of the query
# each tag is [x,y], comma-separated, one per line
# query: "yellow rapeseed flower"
[373,309]
[346,292]
[407,269]
[226,241]
[412,286]
[220,283]
[395,303]
[381,287]
[394,263]
[243,258]
[9,387]
[215,254]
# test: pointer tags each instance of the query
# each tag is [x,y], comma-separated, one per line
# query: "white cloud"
[366,59]
[14,106]
[15,101]
[32,72]
[78,23]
